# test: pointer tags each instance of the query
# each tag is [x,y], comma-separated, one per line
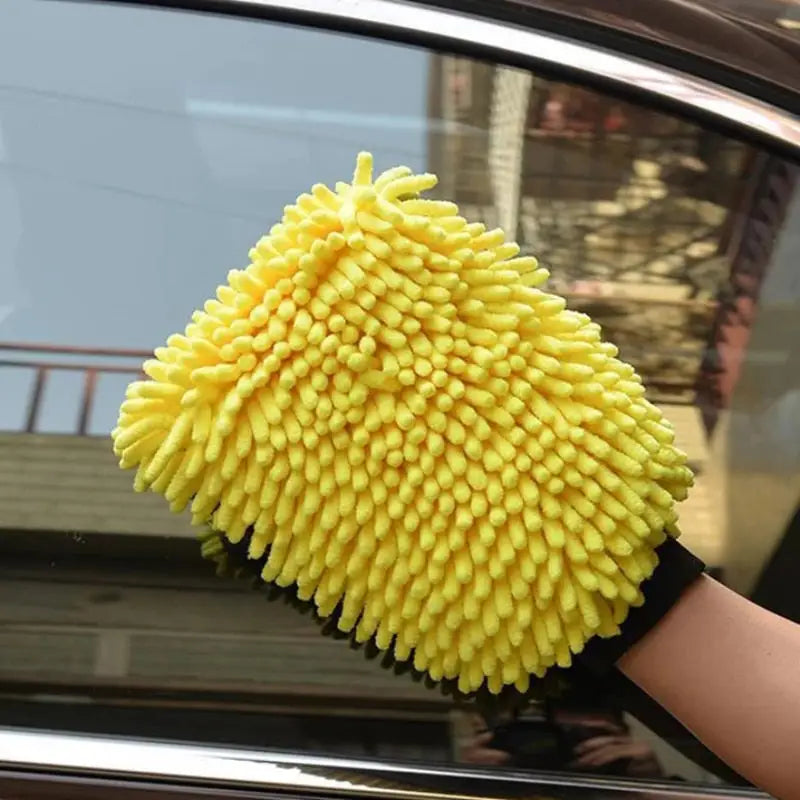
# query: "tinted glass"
[142,153]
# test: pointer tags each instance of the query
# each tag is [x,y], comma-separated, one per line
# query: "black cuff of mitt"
[676,571]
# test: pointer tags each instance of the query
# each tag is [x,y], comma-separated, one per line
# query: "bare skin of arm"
[730,672]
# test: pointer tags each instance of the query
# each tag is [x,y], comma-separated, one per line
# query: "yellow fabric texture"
[415,431]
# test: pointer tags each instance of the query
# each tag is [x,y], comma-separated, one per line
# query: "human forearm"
[730,672]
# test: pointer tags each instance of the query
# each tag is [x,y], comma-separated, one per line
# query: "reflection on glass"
[128,186]
[563,736]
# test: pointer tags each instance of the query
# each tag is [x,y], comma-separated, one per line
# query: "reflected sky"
[142,153]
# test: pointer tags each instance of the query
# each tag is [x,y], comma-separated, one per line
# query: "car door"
[144,148]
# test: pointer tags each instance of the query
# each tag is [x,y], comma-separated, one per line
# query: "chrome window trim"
[51,754]
[419,24]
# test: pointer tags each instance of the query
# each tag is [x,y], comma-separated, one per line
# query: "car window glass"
[142,153]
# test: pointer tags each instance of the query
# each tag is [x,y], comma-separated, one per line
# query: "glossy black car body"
[741,45]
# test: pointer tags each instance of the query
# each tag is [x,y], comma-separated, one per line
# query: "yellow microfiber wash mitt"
[417,435]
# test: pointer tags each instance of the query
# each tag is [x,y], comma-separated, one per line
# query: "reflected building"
[617,201]
[612,198]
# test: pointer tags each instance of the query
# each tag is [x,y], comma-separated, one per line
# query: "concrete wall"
[111,624]
[73,483]
[219,636]
[97,622]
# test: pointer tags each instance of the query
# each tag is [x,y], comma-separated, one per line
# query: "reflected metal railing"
[43,360]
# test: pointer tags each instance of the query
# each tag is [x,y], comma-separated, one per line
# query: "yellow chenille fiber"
[412,428]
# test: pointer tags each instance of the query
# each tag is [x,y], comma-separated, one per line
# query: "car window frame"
[547,53]
[107,758]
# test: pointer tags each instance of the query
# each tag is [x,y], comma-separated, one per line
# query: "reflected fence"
[42,361]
